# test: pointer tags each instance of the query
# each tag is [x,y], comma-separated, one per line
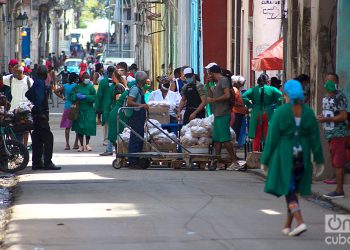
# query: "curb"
[8,184]
[315,194]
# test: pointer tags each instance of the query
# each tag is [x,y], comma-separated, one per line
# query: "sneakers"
[334,195]
[106,153]
[298,230]
[234,166]
[286,231]
[88,147]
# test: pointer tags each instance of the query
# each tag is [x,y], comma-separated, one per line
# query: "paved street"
[90,205]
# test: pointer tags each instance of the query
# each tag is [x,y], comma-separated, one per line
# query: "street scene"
[174,124]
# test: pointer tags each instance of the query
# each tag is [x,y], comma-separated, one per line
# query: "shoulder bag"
[73,113]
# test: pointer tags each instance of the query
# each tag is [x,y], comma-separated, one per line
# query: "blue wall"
[194,36]
[343,46]
[26,44]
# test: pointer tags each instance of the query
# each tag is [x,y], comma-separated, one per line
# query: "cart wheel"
[144,163]
[212,165]
[117,164]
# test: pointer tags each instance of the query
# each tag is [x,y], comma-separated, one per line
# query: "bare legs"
[339,176]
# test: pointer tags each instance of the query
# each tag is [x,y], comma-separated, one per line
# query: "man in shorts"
[220,97]
[334,119]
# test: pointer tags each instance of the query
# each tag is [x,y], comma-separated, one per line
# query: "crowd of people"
[280,122]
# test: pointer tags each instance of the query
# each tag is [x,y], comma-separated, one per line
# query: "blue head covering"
[294,90]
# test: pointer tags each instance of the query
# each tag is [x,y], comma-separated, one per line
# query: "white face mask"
[86,81]
[189,80]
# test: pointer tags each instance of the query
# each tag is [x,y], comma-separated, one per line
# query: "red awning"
[270,59]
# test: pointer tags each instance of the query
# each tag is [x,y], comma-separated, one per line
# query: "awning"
[270,59]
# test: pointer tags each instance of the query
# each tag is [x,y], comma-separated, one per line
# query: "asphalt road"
[89,205]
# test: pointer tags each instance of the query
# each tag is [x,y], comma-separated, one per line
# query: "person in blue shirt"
[42,137]
[63,93]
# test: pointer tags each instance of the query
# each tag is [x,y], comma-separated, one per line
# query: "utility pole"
[166,49]
[284,21]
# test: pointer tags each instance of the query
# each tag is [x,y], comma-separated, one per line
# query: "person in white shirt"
[19,84]
[165,95]
[27,62]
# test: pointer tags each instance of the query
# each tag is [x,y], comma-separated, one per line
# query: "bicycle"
[14,156]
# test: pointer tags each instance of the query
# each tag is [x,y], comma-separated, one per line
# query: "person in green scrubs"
[85,125]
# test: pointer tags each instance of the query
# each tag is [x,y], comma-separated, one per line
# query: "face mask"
[86,81]
[189,80]
[166,86]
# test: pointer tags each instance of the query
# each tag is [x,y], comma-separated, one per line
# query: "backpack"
[128,112]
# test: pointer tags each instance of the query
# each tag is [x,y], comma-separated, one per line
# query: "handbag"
[73,113]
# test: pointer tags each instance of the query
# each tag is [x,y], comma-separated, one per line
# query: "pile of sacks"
[155,134]
[158,104]
[198,132]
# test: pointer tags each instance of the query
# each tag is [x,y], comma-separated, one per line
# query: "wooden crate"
[160,114]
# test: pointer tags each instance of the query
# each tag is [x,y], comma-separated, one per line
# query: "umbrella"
[270,59]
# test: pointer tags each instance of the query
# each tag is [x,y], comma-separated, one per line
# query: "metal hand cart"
[152,152]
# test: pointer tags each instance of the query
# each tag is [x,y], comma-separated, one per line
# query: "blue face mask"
[189,80]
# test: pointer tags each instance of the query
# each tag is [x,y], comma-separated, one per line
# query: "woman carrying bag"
[293,135]
[85,124]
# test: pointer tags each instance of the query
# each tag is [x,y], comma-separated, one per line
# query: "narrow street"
[90,205]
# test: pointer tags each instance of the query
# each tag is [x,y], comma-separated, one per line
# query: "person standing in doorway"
[42,136]
[335,123]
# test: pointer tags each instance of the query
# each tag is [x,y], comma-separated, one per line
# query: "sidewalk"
[319,188]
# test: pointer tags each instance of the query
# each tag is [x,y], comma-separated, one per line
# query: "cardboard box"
[166,148]
[160,114]
[123,147]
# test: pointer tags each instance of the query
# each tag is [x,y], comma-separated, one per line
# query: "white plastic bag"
[198,131]
[205,141]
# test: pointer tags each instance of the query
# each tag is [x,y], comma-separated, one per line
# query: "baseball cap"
[188,71]
[215,69]
[13,62]
[27,70]
[211,65]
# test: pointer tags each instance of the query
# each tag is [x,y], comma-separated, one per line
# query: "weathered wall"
[322,59]
[343,45]
[215,32]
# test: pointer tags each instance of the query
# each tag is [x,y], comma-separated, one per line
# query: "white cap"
[210,65]
[188,71]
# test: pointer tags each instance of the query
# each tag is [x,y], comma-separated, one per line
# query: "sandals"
[75,147]
[80,148]
[88,148]
[67,148]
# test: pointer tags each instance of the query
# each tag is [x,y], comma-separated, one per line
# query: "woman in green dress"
[293,135]
[262,99]
[85,125]
[113,130]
